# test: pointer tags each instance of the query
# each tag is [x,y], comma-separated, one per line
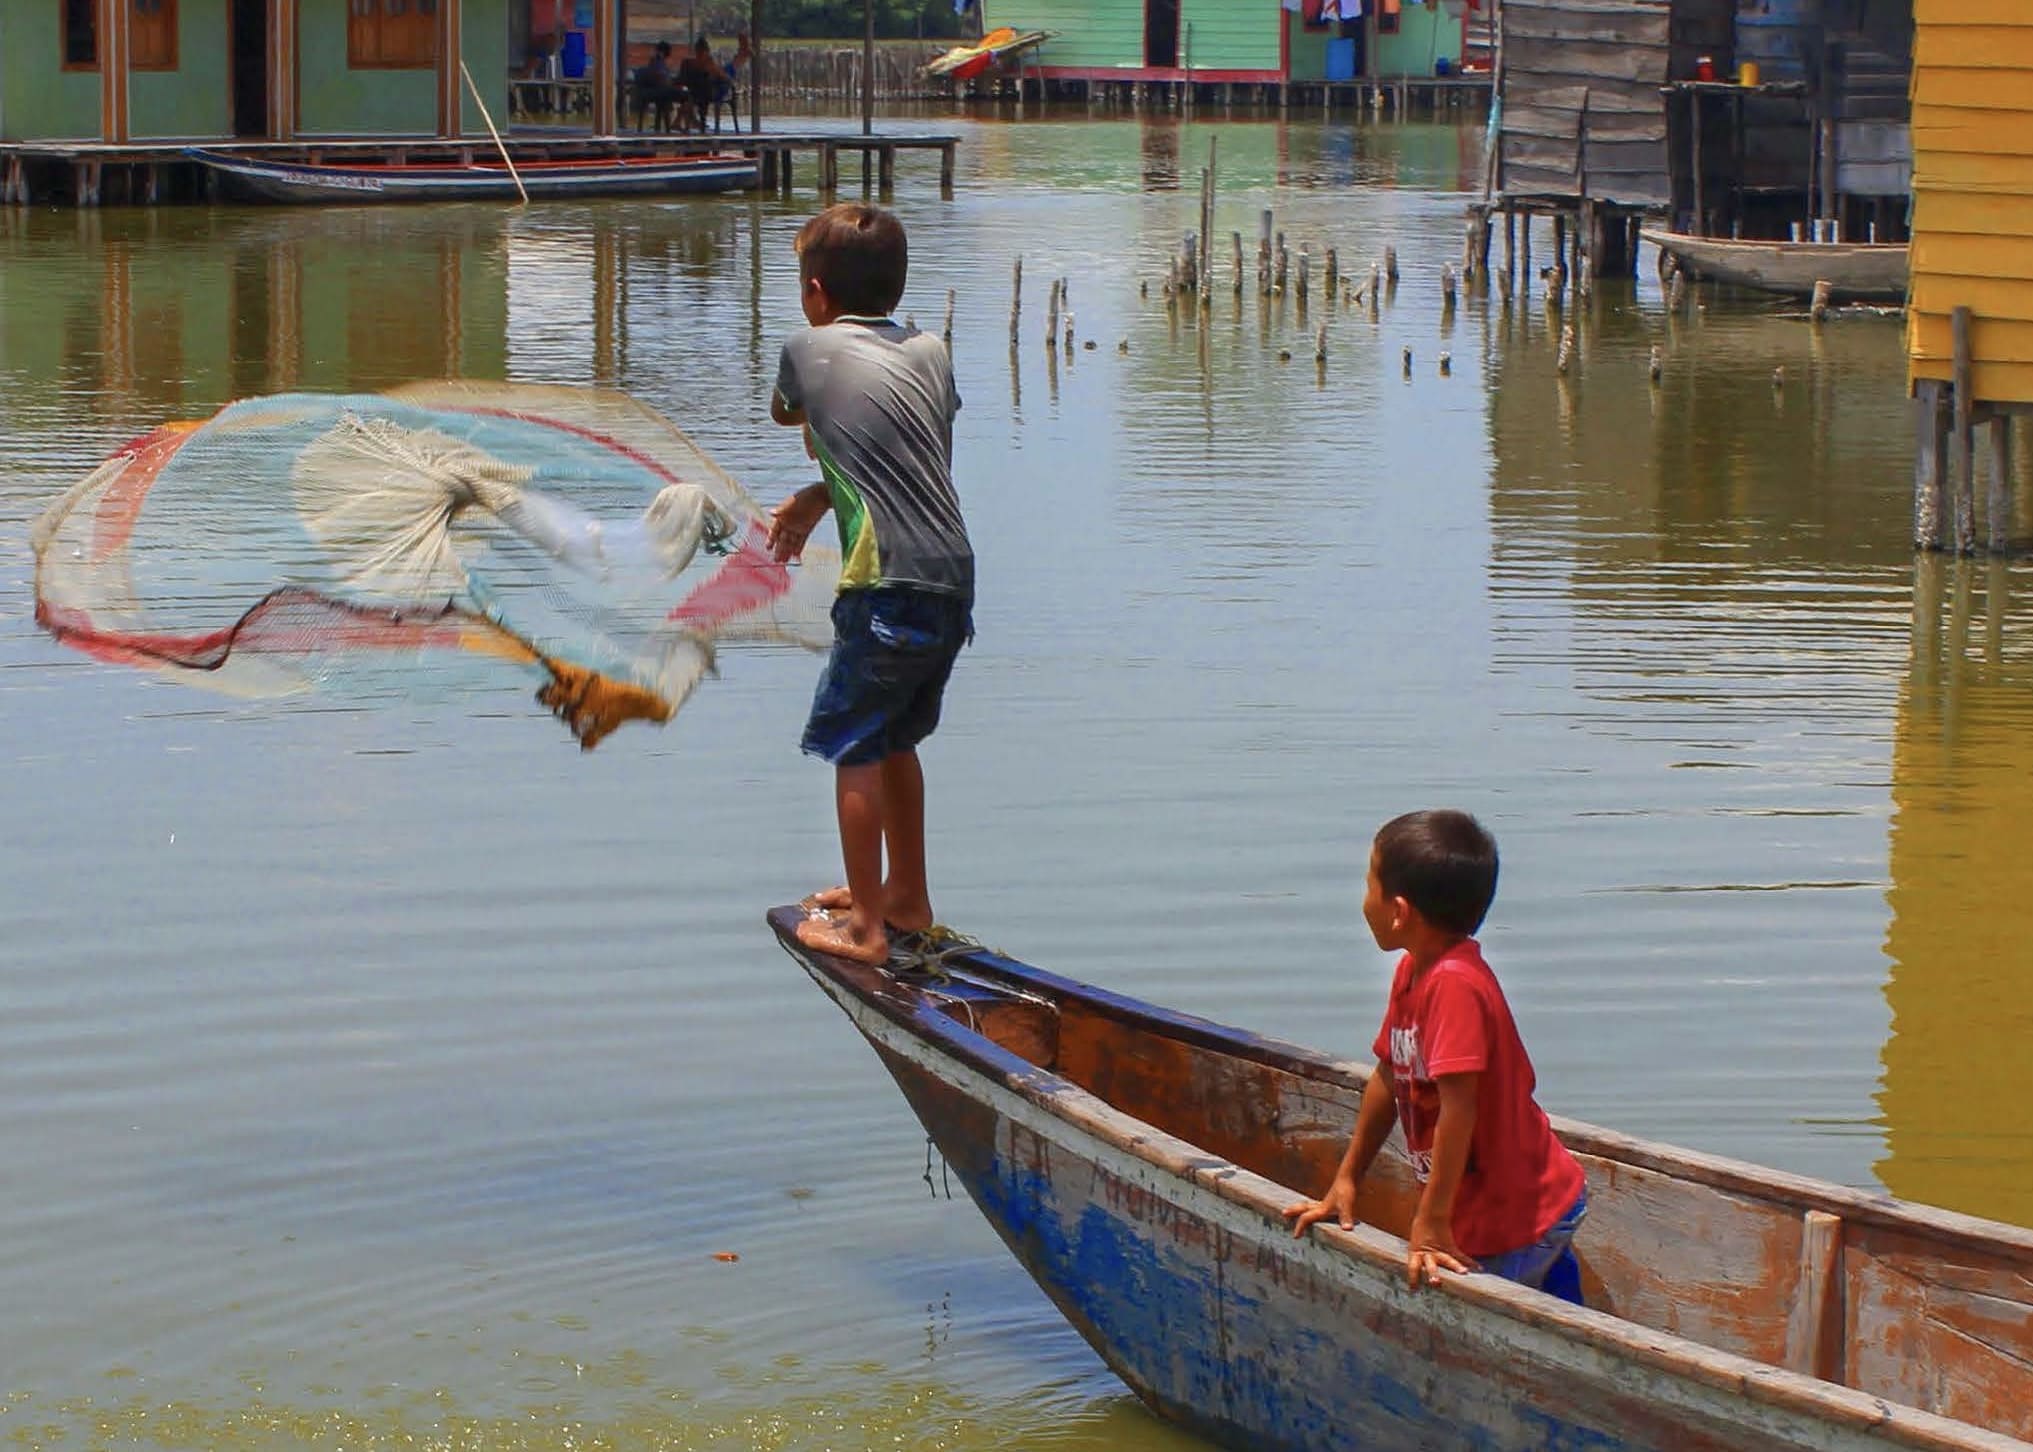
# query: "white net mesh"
[572,531]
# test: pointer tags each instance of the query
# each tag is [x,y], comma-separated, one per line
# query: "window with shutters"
[81,35]
[151,35]
[391,34]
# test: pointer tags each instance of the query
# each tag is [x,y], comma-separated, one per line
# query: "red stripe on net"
[289,621]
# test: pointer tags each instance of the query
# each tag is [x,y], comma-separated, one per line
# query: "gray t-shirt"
[879,399]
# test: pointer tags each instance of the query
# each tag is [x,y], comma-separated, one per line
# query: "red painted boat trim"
[1153,73]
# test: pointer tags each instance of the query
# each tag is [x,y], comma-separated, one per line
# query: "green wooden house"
[129,71]
[1249,42]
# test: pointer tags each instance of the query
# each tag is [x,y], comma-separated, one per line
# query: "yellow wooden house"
[1972,250]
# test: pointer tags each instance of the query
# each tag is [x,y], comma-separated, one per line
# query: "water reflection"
[1957,1077]
[425,1053]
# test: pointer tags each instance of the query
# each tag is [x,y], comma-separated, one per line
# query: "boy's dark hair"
[859,255]
[1441,862]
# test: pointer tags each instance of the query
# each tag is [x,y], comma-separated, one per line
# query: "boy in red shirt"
[1501,1193]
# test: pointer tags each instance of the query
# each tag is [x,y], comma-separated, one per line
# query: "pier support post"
[885,177]
[946,156]
[1965,441]
[1999,505]
[1930,467]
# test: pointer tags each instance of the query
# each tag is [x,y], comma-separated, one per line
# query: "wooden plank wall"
[1973,192]
[1582,111]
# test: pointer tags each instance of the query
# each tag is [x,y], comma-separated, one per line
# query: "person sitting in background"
[701,77]
[655,88]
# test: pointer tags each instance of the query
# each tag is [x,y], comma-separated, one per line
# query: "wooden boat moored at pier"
[1854,271]
[1138,1162]
[482,179]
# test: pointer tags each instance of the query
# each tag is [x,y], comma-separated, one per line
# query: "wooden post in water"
[948,334]
[1016,299]
[1052,315]
[1332,278]
[755,67]
[867,75]
[1525,255]
[1305,269]
[1207,184]
[1189,263]
[1284,267]
[1264,255]
[1965,456]
[1391,265]
[1236,239]
[1999,505]
[1559,252]
[1818,310]
[1930,468]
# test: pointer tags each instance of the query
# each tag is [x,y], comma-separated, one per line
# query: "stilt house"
[1970,318]
[1244,42]
[1582,94]
[121,71]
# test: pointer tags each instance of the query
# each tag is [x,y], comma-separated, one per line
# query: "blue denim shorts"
[1549,1265]
[893,650]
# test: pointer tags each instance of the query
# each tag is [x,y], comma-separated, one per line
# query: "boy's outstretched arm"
[1373,1123]
[1431,1242]
[783,413]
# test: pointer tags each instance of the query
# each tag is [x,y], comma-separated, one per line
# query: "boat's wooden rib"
[1854,271]
[481,179]
[1137,1161]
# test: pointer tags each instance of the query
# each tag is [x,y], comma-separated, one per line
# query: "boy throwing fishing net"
[876,400]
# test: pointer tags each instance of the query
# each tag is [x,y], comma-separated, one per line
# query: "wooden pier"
[147,173]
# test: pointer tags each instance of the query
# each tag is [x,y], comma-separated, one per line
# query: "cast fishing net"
[288,541]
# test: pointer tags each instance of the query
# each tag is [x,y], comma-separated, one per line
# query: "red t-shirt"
[1452,1019]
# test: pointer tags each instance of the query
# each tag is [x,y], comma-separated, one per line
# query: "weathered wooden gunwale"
[481,178]
[1857,271]
[1059,1096]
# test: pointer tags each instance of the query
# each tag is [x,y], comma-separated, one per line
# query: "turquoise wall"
[338,99]
[1227,35]
[197,98]
[1089,32]
[1232,36]
[483,40]
[39,99]
[1426,33]
[1309,49]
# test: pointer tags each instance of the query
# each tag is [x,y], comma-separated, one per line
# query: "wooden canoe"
[1854,271]
[484,179]
[1138,1161]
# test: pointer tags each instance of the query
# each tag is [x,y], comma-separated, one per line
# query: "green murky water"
[382,1072]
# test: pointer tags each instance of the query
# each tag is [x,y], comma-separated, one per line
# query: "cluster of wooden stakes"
[1190,282]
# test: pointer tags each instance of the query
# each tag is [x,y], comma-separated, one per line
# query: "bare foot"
[829,935]
[913,918]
